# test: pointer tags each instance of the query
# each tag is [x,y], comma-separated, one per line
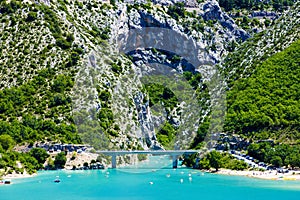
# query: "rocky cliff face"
[119,50]
[149,35]
[212,11]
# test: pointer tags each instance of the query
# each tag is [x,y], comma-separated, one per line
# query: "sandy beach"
[269,175]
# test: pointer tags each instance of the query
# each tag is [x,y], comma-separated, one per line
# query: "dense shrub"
[60,160]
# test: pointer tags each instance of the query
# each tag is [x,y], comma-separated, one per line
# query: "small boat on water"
[5,181]
[56,181]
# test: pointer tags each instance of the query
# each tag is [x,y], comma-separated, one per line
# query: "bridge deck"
[173,153]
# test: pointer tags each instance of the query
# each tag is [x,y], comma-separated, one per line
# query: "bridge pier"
[114,161]
[175,161]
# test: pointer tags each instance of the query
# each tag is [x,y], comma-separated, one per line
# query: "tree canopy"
[60,160]
[6,142]
[266,104]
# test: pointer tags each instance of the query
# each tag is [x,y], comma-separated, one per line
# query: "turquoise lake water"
[146,183]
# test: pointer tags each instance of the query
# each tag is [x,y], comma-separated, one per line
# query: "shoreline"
[81,158]
[17,176]
[266,175]
[78,161]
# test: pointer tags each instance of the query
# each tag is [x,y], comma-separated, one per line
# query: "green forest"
[266,104]
[37,109]
[216,160]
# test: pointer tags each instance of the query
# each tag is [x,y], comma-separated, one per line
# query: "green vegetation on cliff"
[216,160]
[278,155]
[31,161]
[38,62]
[266,104]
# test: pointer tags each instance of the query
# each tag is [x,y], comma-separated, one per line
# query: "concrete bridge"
[173,153]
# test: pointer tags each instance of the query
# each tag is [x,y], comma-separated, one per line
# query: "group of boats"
[8,181]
